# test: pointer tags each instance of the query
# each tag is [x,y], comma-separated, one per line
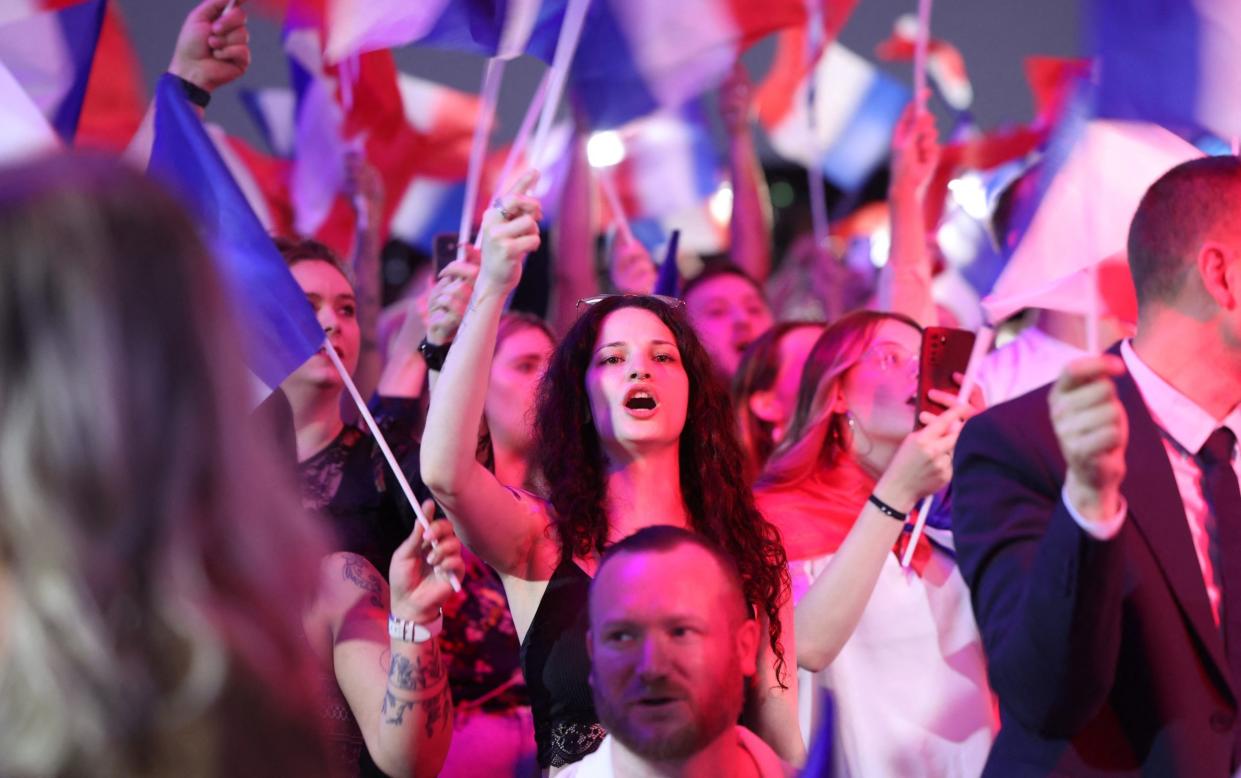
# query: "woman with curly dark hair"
[633,429]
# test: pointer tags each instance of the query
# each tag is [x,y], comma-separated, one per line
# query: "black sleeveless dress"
[557,669]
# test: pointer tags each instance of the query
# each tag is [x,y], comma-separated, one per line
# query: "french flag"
[670,163]
[280,327]
[430,201]
[944,63]
[856,108]
[25,132]
[116,94]
[1177,64]
[49,48]
[1095,180]
[634,56]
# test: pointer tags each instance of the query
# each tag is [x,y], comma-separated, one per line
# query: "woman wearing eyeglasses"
[897,647]
[632,429]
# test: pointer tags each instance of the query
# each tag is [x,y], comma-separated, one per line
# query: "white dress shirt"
[1184,428]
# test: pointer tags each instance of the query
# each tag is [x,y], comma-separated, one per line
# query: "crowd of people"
[666,533]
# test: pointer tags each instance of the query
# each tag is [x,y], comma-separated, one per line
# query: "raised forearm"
[366,285]
[750,227]
[415,721]
[573,269]
[906,281]
[451,432]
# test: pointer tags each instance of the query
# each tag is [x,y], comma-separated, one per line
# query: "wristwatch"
[434,354]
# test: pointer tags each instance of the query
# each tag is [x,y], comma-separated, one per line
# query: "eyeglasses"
[671,302]
[888,357]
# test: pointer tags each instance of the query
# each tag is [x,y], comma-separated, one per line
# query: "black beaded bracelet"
[194,93]
[887,510]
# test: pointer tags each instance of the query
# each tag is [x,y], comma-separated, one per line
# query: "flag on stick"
[280,327]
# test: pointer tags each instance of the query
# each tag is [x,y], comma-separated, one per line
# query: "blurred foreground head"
[153,567]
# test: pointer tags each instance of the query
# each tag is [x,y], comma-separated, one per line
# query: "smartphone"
[444,250]
[945,351]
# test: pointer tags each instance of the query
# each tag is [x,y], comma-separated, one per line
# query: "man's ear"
[1219,268]
[747,646]
[765,406]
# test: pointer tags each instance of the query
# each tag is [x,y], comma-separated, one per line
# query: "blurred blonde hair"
[817,435]
[153,563]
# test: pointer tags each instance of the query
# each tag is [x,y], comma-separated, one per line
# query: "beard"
[676,737]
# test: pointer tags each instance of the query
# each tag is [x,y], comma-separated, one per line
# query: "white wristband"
[409,632]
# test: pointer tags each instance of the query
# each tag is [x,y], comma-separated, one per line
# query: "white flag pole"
[921,43]
[566,46]
[982,344]
[815,49]
[387,452]
[608,185]
[492,77]
[519,144]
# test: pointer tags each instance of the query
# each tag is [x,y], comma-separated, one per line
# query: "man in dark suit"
[1098,520]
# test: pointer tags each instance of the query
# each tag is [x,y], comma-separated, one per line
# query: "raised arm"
[364,188]
[831,609]
[212,49]
[905,283]
[573,262]
[750,227]
[505,528]
[403,705]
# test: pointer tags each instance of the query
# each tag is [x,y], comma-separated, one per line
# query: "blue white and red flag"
[49,48]
[279,326]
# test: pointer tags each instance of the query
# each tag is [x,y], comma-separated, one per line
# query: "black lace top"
[557,668]
[350,484]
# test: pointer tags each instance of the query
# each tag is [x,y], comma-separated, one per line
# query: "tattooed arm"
[397,691]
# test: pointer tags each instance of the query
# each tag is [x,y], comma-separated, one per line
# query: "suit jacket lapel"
[1156,509]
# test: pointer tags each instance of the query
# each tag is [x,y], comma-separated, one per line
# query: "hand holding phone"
[945,353]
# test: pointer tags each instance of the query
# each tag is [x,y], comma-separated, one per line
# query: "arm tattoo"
[437,707]
[357,573]
[418,674]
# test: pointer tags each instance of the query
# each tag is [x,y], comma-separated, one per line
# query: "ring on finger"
[506,214]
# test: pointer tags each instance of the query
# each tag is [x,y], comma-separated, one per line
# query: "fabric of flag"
[15,10]
[429,201]
[1177,64]
[670,163]
[116,95]
[50,53]
[634,56]
[24,131]
[944,63]
[1083,215]
[1053,82]
[356,106]
[279,326]
[856,108]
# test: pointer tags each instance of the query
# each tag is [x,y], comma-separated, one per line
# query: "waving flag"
[50,54]
[670,163]
[634,56]
[24,131]
[1177,64]
[856,110]
[944,63]
[116,96]
[1083,216]
[280,326]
